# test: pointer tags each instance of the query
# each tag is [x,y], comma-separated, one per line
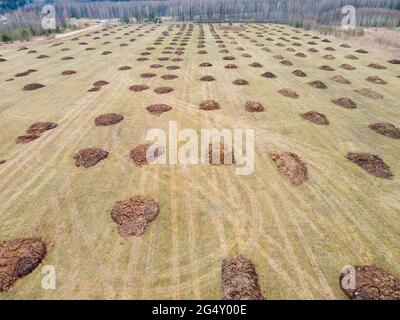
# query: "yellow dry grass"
[298,237]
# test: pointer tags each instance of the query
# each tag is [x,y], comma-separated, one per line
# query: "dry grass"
[299,237]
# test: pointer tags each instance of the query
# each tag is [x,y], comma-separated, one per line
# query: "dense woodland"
[307,14]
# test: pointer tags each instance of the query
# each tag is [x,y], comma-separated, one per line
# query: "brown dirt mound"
[209,105]
[318,84]
[3,161]
[291,166]
[42,56]
[3,60]
[163,90]
[133,216]
[94,89]
[326,68]
[125,68]
[253,106]
[372,283]
[67,58]
[27,138]
[376,66]
[169,76]
[315,117]
[340,79]
[139,153]
[256,65]
[106,53]
[345,45]
[240,82]
[67,72]
[33,86]
[25,73]
[345,103]
[376,80]
[312,50]
[231,66]
[289,93]
[347,67]
[138,87]
[156,66]
[371,163]
[205,64]
[394,61]
[300,55]
[108,119]
[100,83]
[239,280]
[18,258]
[148,75]
[173,67]
[207,78]
[268,75]
[89,157]
[158,109]
[286,63]
[386,129]
[142,59]
[40,127]
[351,57]
[361,51]
[221,157]
[369,93]
[299,73]
[228,58]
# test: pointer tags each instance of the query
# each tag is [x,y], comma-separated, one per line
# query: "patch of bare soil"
[376,66]
[100,83]
[221,156]
[207,78]
[369,93]
[163,90]
[318,84]
[209,105]
[291,166]
[345,103]
[376,80]
[372,283]
[239,279]
[253,106]
[125,68]
[205,64]
[108,119]
[394,61]
[158,109]
[240,82]
[33,86]
[139,153]
[315,117]
[89,157]
[347,67]
[67,72]
[326,68]
[341,80]
[386,129]
[231,66]
[371,163]
[134,215]
[18,258]
[138,87]
[147,75]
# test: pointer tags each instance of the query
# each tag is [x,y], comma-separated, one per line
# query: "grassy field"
[299,237]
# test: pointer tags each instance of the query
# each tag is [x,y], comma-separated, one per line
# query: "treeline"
[307,14]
